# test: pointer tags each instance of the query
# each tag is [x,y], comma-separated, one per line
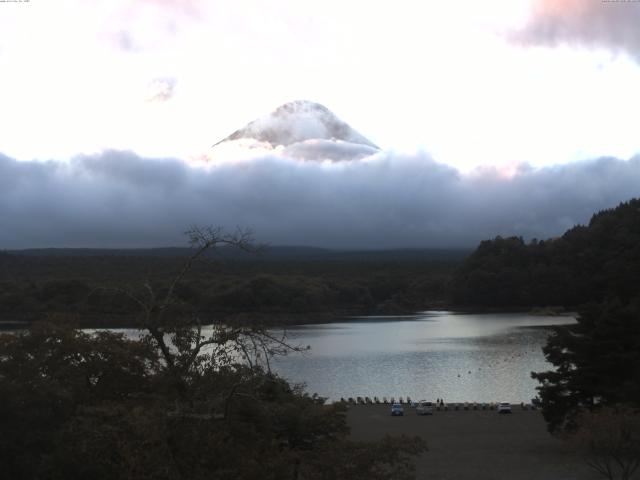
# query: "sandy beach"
[478,445]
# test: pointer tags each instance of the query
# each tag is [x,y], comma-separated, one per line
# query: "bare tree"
[176,329]
[609,439]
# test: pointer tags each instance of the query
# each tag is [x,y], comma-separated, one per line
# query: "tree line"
[32,286]
[587,263]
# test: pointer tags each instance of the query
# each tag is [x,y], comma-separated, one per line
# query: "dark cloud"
[118,199]
[611,24]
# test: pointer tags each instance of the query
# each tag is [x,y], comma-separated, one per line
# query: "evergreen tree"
[587,264]
[597,363]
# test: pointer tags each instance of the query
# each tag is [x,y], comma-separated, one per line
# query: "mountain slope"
[596,262]
[302,130]
[299,121]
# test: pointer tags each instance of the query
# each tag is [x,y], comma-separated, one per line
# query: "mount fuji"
[302,130]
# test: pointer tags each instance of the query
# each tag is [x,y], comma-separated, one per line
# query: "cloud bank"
[592,23]
[118,199]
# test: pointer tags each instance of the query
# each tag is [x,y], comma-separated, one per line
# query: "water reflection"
[458,357]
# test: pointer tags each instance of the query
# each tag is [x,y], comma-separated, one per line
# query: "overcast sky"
[500,116]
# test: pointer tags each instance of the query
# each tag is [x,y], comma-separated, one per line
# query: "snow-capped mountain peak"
[303,130]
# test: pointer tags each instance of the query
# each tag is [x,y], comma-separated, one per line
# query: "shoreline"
[287,319]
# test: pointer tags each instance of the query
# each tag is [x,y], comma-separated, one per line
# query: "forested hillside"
[587,263]
[281,286]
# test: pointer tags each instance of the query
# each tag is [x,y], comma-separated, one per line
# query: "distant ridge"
[269,254]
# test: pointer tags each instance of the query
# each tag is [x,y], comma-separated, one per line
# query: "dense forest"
[588,263]
[277,285]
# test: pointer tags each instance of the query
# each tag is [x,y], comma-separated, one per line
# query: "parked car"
[424,408]
[504,407]
[397,410]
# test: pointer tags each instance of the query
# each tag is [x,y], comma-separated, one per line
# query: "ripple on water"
[461,357]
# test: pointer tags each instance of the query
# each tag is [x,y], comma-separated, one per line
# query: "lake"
[458,357]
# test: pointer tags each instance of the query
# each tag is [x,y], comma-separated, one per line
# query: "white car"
[424,408]
[397,410]
[504,407]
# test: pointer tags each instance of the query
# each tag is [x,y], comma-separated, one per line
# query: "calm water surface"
[458,357]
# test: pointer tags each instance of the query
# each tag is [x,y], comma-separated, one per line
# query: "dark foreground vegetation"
[76,406]
[175,404]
